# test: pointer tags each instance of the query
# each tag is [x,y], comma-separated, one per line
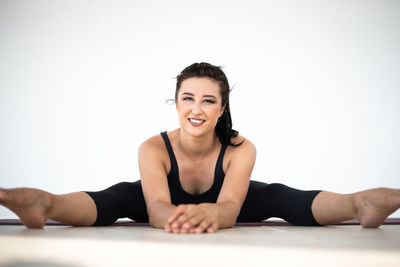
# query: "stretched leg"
[371,207]
[35,206]
[120,201]
[277,200]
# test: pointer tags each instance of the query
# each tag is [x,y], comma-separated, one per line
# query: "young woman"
[196,178]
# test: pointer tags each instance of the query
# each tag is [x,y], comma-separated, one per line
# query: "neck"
[197,146]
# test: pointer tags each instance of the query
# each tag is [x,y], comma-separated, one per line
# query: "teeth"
[196,121]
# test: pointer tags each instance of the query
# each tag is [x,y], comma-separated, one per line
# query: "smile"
[196,122]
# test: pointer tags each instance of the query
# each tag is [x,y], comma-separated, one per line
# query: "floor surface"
[238,246]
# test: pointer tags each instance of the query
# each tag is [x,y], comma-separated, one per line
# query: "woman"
[210,188]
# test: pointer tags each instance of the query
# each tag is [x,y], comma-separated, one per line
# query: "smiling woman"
[199,105]
[196,178]
[212,78]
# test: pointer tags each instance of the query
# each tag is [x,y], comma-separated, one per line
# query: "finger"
[4,196]
[184,231]
[213,228]
[175,223]
[202,226]
[178,211]
[175,230]
[189,214]
[192,222]
[168,228]
[182,220]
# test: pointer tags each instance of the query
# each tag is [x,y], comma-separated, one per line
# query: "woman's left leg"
[370,207]
[277,200]
[311,208]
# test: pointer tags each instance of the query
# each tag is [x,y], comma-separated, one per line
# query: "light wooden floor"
[238,246]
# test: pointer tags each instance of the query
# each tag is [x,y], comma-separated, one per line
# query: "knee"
[276,190]
[277,186]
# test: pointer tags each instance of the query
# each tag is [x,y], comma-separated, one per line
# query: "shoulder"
[245,152]
[153,143]
[153,148]
[243,145]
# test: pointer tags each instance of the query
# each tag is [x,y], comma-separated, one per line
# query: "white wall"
[83,83]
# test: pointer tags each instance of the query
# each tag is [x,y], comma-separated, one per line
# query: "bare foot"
[29,204]
[375,205]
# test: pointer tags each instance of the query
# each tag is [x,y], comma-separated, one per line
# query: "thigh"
[120,201]
[277,200]
[254,208]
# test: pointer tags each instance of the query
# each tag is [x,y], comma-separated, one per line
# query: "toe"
[393,200]
[4,196]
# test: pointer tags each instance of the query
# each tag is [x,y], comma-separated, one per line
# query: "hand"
[193,219]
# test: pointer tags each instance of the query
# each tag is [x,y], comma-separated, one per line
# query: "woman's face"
[199,105]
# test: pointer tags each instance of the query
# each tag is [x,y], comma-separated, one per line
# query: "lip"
[196,124]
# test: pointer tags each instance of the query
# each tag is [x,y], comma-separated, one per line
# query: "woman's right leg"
[34,206]
[123,200]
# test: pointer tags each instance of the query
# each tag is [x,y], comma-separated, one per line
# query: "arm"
[236,184]
[153,175]
[222,214]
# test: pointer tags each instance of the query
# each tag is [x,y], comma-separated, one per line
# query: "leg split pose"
[211,189]
[370,207]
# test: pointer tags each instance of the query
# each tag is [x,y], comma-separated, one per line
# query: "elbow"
[154,222]
[234,220]
[230,212]
[228,223]
[152,219]
[158,214]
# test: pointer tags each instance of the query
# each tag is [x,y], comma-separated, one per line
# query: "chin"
[197,132]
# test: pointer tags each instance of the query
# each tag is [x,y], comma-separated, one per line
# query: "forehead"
[200,86]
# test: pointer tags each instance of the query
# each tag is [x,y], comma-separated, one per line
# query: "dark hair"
[223,128]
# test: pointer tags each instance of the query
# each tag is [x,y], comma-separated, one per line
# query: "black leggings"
[262,202]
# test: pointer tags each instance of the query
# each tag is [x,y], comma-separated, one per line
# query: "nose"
[196,109]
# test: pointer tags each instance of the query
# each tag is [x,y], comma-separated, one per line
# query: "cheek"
[215,112]
[219,110]
[181,109]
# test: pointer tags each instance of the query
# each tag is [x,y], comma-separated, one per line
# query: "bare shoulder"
[153,149]
[241,155]
[246,147]
[153,143]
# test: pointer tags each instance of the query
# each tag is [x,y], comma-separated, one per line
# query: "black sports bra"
[180,196]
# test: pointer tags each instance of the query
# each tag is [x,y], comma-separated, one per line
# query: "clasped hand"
[192,218]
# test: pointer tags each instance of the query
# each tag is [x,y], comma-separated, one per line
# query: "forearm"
[226,213]
[159,213]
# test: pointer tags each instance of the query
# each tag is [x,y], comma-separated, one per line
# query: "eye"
[209,101]
[187,98]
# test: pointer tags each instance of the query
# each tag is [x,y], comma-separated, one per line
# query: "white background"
[315,87]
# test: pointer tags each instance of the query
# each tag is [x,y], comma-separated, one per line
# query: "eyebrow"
[191,94]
